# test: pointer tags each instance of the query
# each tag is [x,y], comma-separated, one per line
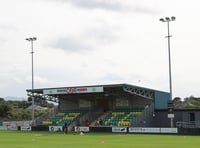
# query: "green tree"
[5,107]
[1,99]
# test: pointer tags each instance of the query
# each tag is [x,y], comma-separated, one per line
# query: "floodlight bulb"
[173,18]
[162,20]
[167,18]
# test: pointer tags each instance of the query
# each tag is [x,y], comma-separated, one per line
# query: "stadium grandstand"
[102,105]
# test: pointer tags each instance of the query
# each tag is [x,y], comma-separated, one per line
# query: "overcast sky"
[97,42]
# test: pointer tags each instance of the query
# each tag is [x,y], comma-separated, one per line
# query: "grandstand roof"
[53,94]
[90,89]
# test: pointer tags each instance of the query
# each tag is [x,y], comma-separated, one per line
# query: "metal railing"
[192,124]
[142,119]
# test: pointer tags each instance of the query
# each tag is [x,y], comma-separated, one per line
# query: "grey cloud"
[93,4]
[93,36]
[7,27]
[2,40]
[112,77]
[144,10]
[102,35]
[69,44]
[114,5]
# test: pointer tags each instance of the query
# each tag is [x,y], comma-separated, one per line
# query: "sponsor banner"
[135,130]
[144,130]
[89,89]
[152,130]
[55,128]
[50,91]
[12,128]
[84,129]
[73,90]
[169,130]
[3,128]
[119,129]
[25,128]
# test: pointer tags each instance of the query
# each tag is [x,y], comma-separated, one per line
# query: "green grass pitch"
[19,139]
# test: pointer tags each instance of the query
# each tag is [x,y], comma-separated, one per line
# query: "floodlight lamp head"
[31,39]
[162,20]
[34,38]
[167,18]
[173,18]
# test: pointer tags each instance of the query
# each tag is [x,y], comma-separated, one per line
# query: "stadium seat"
[64,117]
[121,117]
